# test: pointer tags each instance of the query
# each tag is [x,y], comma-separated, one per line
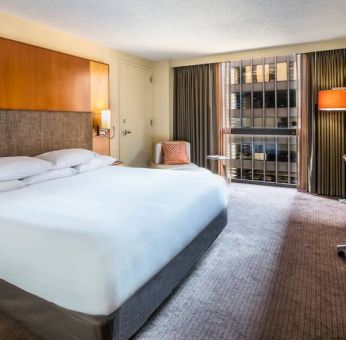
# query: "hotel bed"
[93,255]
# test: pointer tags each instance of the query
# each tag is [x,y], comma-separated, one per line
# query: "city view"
[260,119]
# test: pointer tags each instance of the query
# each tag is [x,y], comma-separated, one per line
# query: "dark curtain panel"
[325,130]
[196,109]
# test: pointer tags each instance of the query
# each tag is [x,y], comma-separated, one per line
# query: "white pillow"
[49,175]
[97,162]
[11,185]
[18,167]
[68,157]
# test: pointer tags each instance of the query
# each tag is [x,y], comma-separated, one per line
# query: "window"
[246,74]
[269,72]
[235,75]
[261,119]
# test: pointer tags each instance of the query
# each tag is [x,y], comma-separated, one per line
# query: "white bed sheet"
[88,242]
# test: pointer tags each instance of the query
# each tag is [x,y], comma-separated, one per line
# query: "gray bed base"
[49,321]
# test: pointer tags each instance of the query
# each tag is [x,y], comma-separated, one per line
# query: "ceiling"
[176,29]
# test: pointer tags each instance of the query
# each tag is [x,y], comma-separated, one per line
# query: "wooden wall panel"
[99,100]
[99,89]
[34,78]
[101,144]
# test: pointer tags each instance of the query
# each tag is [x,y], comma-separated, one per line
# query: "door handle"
[125,132]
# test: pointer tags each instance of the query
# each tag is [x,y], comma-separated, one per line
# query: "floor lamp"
[334,100]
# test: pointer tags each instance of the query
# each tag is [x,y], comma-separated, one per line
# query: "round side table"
[217,159]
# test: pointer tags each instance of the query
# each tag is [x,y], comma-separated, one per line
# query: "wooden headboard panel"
[29,133]
[37,79]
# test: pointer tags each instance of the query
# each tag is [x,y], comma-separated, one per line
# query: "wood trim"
[99,100]
[101,144]
[99,89]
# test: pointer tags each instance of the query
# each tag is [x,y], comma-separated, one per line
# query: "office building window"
[260,119]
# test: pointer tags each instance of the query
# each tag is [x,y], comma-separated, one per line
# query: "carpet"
[272,274]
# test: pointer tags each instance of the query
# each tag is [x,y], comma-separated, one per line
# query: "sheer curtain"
[197,109]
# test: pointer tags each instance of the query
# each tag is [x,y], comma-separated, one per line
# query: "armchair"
[158,161]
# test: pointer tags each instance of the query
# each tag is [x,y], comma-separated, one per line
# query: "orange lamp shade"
[332,100]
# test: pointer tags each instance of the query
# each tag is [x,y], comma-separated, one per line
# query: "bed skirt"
[49,321]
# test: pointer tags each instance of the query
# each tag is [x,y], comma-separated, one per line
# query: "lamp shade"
[105,119]
[332,100]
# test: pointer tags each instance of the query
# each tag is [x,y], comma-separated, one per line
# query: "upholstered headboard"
[29,133]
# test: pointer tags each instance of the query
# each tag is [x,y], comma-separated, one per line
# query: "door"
[135,115]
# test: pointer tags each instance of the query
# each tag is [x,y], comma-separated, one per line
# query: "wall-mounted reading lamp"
[105,124]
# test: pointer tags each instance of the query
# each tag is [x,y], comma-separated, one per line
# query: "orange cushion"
[174,153]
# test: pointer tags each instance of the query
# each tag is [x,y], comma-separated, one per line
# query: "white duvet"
[89,241]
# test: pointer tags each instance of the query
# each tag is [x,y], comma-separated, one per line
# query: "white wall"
[36,34]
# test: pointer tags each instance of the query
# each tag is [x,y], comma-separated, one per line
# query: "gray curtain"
[325,131]
[196,106]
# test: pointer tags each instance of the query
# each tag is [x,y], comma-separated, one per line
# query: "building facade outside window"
[260,118]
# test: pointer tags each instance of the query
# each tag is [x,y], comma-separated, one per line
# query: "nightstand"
[118,163]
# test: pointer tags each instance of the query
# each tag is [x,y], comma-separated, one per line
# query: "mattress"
[88,242]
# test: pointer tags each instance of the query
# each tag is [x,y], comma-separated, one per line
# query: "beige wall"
[264,52]
[163,75]
[40,35]
[162,106]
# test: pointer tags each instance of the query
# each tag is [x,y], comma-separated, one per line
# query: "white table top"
[218,157]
